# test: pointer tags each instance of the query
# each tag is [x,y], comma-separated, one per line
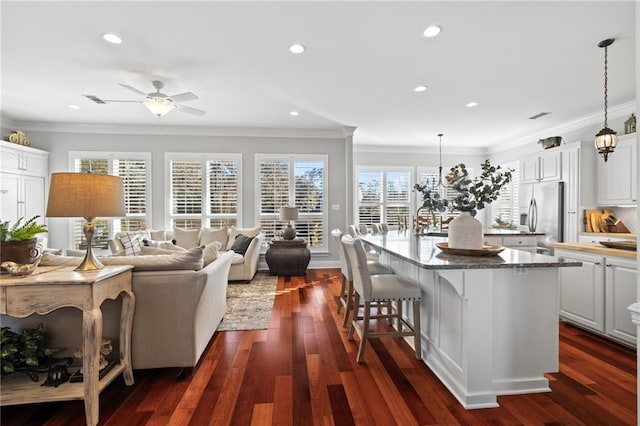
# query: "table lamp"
[289,214]
[86,195]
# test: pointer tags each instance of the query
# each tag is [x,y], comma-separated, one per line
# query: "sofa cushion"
[157,250]
[131,244]
[187,238]
[191,260]
[249,232]
[158,235]
[237,259]
[208,236]
[241,244]
[210,252]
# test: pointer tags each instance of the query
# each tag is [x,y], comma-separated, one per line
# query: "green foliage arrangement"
[24,350]
[21,231]
[471,194]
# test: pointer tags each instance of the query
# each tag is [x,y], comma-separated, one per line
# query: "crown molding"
[119,129]
[577,124]
[411,149]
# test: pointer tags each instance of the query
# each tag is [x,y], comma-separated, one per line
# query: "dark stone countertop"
[423,252]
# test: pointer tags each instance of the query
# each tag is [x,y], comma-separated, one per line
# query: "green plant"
[473,194]
[24,350]
[21,231]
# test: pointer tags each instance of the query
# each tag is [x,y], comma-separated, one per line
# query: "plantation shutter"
[397,198]
[274,186]
[506,207]
[370,187]
[186,193]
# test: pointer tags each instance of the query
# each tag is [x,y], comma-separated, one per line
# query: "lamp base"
[89,263]
[289,233]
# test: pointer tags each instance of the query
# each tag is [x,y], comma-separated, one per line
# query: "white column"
[348,178]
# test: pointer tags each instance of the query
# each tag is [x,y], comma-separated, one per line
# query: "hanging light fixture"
[606,138]
[440,183]
[159,105]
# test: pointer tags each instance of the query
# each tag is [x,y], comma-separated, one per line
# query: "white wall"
[59,143]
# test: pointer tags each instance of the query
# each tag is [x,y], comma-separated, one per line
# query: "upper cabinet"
[543,167]
[577,173]
[617,176]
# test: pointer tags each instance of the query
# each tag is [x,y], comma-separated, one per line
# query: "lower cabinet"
[519,242]
[597,294]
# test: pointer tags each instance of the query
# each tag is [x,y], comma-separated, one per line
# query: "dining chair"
[353,230]
[383,227]
[346,288]
[370,288]
[364,229]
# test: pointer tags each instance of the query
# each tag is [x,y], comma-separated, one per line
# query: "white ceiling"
[363,60]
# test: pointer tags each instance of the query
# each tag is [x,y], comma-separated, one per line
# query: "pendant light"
[440,183]
[606,138]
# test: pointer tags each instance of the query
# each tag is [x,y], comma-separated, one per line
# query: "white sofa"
[177,310]
[243,266]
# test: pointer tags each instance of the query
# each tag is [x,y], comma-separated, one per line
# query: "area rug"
[249,305]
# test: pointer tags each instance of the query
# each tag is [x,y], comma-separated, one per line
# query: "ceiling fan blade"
[183,97]
[190,110]
[98,100]
[133,89]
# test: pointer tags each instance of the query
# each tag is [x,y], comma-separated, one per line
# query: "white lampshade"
[288,213]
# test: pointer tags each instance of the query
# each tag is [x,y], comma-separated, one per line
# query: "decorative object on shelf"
[18,245]
[630,124]
[289,214]
[18,137]
[25,352]
[485,250]
[503,224]
[550,142]
[104,365]
[605,141]
[58,372]
[471,195]
[86,195]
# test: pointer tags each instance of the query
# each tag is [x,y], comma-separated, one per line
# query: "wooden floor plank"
[302,371]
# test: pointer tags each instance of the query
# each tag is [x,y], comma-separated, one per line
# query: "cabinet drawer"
[496,241]
[518,241]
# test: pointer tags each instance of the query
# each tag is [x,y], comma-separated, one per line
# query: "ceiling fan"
[157,102]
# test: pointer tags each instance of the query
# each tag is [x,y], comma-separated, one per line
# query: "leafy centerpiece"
[469,196]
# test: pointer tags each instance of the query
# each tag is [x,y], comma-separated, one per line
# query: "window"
[298,181]
[507,206]
[204,190]
[134,169]
[384,195]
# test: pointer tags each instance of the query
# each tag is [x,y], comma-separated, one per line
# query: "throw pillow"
[157,235]
[115,245]
[131,244]
[208,236]
[241,244]
[187,238]
[249,232]
[210,252]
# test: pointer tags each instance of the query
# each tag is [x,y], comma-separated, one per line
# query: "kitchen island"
[489,324]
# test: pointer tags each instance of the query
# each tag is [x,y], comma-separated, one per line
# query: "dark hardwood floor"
[302,371]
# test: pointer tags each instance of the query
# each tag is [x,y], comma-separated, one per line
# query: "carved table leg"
[92,337]
[126,324]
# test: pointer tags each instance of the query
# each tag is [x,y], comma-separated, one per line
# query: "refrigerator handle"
[533,215]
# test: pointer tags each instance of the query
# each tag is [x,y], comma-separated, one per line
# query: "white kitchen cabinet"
[545,167]
[23,181]
[617,176]
[577,173]
[519,242]
[597,294]
[582,290]
[620,292]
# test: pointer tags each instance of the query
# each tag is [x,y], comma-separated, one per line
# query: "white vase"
[465,232]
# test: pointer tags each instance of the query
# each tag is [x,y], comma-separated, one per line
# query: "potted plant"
[18,241]
[23,352]
[471,195]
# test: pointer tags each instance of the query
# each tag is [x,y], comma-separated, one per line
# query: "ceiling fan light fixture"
[159,106]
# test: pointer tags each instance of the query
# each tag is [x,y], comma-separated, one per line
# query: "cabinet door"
[582,290]
[570,175]
[10,160]
[550,166]
[10,188]
[620,292]
[529,170]
[33,198]
[617,177]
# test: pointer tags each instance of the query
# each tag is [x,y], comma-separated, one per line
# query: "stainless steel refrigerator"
[542,210]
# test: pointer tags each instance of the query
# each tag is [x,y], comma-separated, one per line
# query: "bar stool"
[369,288]
[346,289]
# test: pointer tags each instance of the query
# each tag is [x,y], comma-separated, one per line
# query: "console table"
[50,288]
[288,257]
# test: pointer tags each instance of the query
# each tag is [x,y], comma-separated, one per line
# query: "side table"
[51,288]
[288,257]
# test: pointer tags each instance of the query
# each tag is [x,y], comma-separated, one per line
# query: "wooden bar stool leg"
[342,293]
[356,303]
[417,337]
[349,307]
[365,332]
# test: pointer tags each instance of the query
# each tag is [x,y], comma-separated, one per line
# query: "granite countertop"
[423,252]
[595,248]
[490,232]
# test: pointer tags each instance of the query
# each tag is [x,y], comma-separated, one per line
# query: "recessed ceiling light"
[296,48]
[294,113]
[112,38]
[74,106]
[432,30]
[471,104]
[420,88]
